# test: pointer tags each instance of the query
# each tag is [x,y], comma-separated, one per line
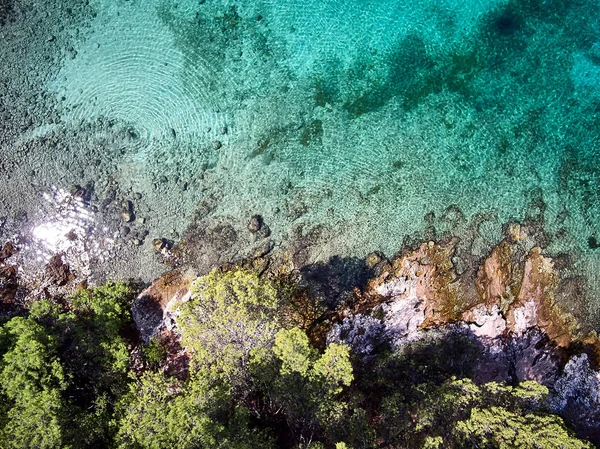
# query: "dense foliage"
[256,380]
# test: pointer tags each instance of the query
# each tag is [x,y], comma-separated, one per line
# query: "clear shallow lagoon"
[356,117]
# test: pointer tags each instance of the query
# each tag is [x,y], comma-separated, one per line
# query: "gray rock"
[363,333]
[395,287]
[127,216]
[576,394]
[403,318]
[578,386]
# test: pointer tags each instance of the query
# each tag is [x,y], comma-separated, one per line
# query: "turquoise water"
[357,117]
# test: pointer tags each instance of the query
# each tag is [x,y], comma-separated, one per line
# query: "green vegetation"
[32,381]
[161,412]
[256,380]
[460,414]
[63,369]
[232,314]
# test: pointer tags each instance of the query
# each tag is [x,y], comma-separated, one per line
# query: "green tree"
[498,428]
[154,353]
[305,386]
[162,412]
[230,314]
[461,414]
[94,356]
[32,381]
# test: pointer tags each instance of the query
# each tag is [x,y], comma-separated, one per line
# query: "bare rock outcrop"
[9,283]
[152,309]
[508,308]
[576,395]
[514,290]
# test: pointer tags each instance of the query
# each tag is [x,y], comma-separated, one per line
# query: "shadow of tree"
[332,283]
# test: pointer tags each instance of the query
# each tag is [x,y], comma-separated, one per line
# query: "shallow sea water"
[358,117]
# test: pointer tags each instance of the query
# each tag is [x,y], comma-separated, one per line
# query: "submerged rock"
[127,216]
[58,272]
[7,251]
[255,223]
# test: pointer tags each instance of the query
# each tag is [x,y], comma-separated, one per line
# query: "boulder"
[153,309]
[362,332]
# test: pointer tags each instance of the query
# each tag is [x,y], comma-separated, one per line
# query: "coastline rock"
[362,332]
[506,308]
[486,322]
[58,272]
[576,395]
[403,318]
[9,281]
[426,275]
[7,251]
[152,309]
[512,291]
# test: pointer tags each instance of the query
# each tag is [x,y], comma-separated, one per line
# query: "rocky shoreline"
[505,319]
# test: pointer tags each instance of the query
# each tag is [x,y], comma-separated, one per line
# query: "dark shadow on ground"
[332,283]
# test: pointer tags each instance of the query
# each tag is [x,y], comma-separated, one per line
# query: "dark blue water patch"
[498,46]
[325,91]
[6,11]
[213,39]
[413,75]
[414,72]
[508,24]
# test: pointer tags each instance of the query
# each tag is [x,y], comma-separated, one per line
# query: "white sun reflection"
[69,227]
[70,221]
[52,235]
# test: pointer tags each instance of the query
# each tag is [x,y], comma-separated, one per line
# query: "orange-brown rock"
[513,290]
[523,292]
[428,275]
[537,294]
[495,275]
[151,306]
